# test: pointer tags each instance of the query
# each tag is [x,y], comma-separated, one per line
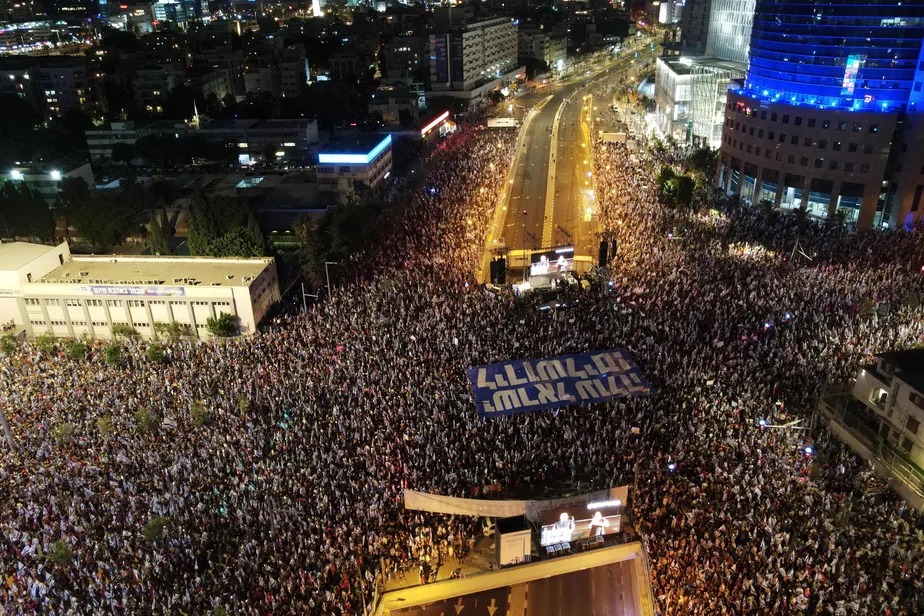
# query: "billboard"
[557,261]
[518,386]
[147,291]
[851,70]
[503,123]
[580,520]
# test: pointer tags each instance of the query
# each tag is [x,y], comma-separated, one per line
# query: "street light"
[327,273]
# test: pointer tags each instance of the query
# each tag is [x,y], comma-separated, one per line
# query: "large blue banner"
[518,386]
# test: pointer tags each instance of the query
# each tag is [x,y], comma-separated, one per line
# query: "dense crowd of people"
[287,497]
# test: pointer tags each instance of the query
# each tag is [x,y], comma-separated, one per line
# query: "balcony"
[853,417]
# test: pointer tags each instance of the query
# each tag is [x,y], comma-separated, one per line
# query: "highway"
[536,215]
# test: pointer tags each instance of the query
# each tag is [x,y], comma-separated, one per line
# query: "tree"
[113,354]
[144,421]
[173,330]
[155,353]
[703,162]
[156,529]
[236,243]
[60,554]
[63,432]
[77,349]
[160,234]
[200,415]
[73,196]
[105,425]
[685,186]
[24,214]
[123,330]
[222,326]
[107,219]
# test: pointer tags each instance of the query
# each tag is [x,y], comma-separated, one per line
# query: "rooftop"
[357,150]
[159,271]
[14,255]
[907,365]
[684,65]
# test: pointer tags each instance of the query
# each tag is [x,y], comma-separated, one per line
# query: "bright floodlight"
[671,466]
[762,422]
[16,174]
[808,450]
[618,502]
[56,175]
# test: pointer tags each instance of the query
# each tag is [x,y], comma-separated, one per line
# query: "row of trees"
[224,227]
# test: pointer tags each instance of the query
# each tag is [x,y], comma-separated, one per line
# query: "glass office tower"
[827,116]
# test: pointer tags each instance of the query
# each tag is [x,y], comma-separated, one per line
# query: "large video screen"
[555,261]
[580,521]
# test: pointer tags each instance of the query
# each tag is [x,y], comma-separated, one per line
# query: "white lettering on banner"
[483,381]
[524,397]
[573,372]
[546,393]
[512,376]
[550,370]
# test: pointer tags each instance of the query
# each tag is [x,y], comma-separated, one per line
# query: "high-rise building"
[694,26]
[828,117]
[471,56]
[730,29]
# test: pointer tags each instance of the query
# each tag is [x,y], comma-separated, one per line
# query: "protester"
[287,499]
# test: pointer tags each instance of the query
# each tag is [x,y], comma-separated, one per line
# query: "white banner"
[436,503]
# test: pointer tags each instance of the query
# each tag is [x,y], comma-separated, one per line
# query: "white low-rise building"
[45,289]
[881,418]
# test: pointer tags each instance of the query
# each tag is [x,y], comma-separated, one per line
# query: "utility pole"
[7,431]
[327,273]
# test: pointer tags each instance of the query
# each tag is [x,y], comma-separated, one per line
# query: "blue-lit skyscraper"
[827,115]
[843,53]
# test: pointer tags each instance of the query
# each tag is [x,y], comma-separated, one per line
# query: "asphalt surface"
[599,591]
[526,211]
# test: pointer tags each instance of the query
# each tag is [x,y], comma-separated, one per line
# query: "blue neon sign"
[356,159]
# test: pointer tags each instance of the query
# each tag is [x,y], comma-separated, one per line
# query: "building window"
[857,127]
[771,135]
[751,132]
[912,424]
[905,444]
[826,124]
[773,117]
[852,147]
[763,115]
[803,161]
[864,168]
[836,146]
[798,121]
[914,208]
[832,165]
[819,162]
[874,128]
[868,149]
[760,134]
[785,118]
[823,144]
[842,126]
[749,148]
[782,137]
[807,142]
[757,151]
[794,140]
[811,123]
[848,167]
[791,159]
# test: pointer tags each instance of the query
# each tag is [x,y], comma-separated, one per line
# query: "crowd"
[288,498]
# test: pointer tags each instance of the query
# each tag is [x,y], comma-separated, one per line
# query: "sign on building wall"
[145,291]
[518,386]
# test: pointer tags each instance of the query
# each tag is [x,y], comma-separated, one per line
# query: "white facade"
[45,289]
[537,45]
[730,25]
[468,55]
[347,169]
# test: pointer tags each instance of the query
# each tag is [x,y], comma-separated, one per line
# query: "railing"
[849,412]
